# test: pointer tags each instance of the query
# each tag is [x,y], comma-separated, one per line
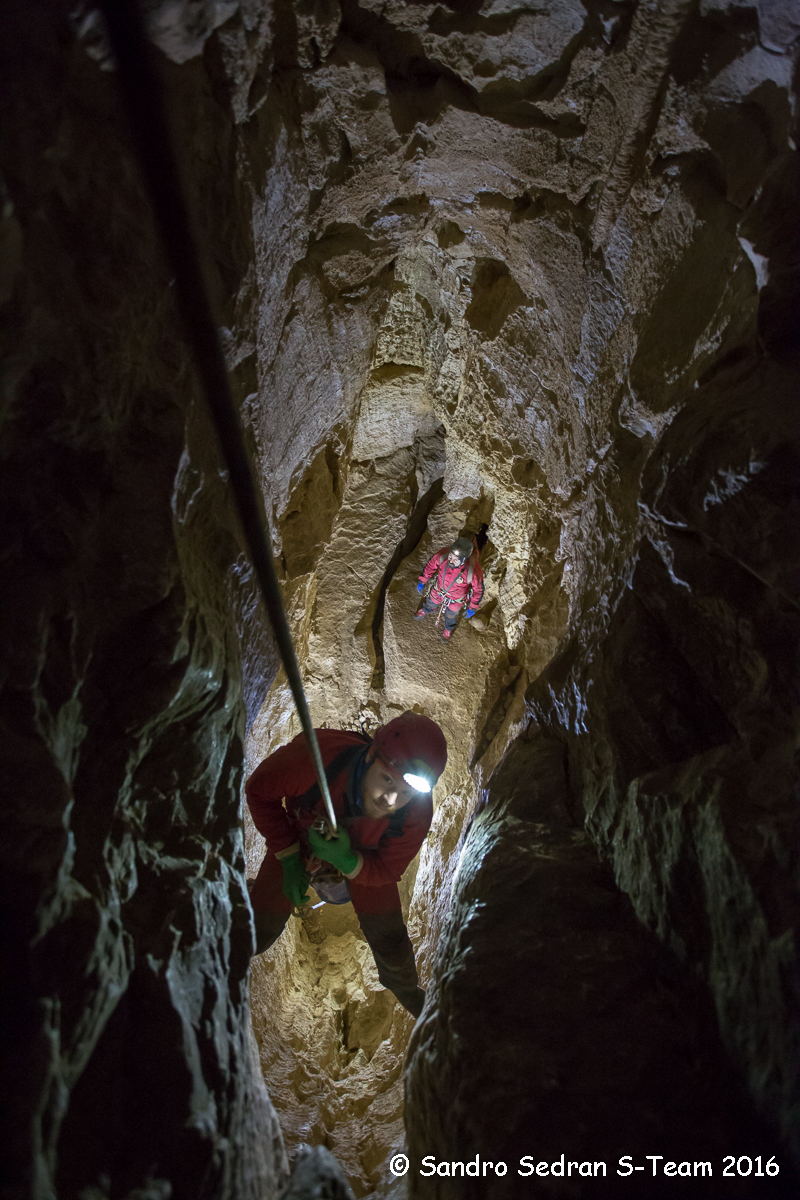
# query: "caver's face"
[382,793]
[453,560]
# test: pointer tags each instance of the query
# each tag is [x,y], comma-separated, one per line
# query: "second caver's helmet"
[414,748]
[462,547]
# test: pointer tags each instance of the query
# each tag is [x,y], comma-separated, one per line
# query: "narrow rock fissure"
[417,524]
[505,688]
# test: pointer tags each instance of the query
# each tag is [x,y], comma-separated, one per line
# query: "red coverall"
[453,581]
[289,773]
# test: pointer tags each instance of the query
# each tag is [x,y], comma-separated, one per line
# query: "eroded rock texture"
[128,1064]
[583,1020]
[528,271]
[565,237]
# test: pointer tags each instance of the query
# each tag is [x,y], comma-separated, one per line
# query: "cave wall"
[683,753]
[129,1068]
[564,238]
[543,260]
[566,234]
[673,695]
[582,1037]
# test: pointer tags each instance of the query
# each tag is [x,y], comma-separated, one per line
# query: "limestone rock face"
[526,273]
[581,1038]
[683,755]
[331,1043]
[128,1067]
[565,238]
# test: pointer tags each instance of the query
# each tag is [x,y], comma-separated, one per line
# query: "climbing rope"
[143,95]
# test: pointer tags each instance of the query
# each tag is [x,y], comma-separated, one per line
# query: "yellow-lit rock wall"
[556,260]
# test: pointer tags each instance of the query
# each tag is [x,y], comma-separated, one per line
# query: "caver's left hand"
[337,851]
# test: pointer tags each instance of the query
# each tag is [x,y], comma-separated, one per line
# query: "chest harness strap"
[311,798]
[445,591]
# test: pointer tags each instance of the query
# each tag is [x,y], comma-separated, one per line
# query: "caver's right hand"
[295,879]
[420,586]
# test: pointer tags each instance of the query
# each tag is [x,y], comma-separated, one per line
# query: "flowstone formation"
[524,272]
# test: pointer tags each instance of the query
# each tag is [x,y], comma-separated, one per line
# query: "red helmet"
[414,748]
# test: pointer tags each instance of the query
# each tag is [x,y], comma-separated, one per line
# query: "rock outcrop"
[580,1039]
[128,1065]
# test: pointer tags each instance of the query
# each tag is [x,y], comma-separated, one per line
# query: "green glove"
[295,879]
[337,851]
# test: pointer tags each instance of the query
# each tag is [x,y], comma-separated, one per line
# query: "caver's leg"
[389,942]
[450,618]
[271,908]
[425,609]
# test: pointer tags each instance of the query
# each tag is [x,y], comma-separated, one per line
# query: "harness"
[311,798]
[333,770]
[329,883]
[445,591]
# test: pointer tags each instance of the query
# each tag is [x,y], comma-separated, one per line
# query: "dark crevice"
[501,687]
[417,524]
[466,20]
[709,42]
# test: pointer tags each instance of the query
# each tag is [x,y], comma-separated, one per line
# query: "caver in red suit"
[457,582]
[385,820]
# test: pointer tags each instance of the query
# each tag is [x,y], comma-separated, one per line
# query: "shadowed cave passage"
[417,524]
[545,260]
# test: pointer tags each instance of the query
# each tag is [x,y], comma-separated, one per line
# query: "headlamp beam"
[417,782]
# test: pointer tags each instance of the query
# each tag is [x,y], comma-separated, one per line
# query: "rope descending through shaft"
[144,99]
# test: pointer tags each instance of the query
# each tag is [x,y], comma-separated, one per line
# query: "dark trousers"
[450,617]
[379,915]
[388,940]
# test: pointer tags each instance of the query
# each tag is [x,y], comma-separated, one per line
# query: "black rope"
[147,111]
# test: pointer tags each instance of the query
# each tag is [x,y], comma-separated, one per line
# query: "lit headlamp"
[417,782]
[411,773]
[417,774]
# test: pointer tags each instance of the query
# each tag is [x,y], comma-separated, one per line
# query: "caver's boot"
[446,635]
[419,614]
